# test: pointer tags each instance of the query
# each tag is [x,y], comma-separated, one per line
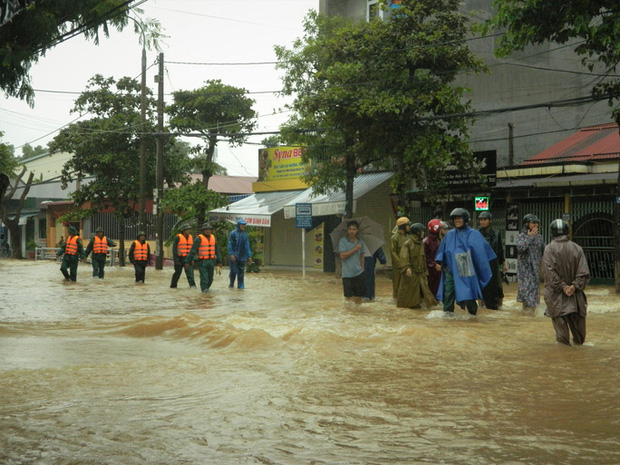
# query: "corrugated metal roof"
[329,204]
[592,143]
[255,209]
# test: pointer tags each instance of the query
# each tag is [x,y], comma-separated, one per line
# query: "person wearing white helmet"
[566,276]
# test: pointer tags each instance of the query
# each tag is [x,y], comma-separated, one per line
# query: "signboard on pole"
[303,215]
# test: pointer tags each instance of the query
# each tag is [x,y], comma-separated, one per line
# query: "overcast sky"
[202,32]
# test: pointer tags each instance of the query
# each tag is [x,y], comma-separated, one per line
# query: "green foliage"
[8,163]
[271,141]
[28,151]
[217,112]
[192,201]
[592,25]
[106,148]
[376,94]
[45,24]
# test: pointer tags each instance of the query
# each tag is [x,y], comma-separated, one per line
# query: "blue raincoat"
[466,253]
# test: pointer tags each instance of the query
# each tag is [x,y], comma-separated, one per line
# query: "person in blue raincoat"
[239,253]
[464,255]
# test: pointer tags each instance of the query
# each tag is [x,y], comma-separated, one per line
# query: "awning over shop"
[23,219]
[334,204]
[256,209]
[588,179]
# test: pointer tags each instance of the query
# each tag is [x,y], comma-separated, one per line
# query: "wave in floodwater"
[285,372]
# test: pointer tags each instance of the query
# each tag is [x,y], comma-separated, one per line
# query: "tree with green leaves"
[39,26]
[106,149]
[28,151]
[380,94]
[12,189]
[215,112]
[592,27]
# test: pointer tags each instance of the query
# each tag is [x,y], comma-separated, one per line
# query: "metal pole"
[159,233]
[142,203]
[303,253]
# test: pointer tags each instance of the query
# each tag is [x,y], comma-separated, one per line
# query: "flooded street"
[283,372]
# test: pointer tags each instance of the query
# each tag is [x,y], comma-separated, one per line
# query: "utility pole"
[511,146]
[142,204]
[159,227]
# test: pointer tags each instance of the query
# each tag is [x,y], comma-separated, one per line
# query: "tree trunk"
[16,236]
[121,241]
[617,222]
[13,225]
[350,170]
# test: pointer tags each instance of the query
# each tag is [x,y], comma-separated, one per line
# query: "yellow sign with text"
[280,163]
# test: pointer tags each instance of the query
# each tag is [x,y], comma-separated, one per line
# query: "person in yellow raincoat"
[399,236]
[413,288]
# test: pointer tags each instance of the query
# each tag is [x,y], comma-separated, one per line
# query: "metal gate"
[595,234]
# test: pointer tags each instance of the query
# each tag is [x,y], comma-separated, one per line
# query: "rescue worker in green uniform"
[181,245]
[73,251]
[139,255]
[98,245]
[207,254]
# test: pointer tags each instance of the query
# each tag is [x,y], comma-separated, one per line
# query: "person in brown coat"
[397,240]
[413,288]
[566,276]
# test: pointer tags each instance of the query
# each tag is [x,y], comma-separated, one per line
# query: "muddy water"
[107,372]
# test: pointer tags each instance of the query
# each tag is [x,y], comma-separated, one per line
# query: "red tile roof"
[592,143]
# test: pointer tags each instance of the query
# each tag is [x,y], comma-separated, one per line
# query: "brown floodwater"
[284,372]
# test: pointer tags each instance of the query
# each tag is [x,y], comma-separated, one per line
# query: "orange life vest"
[101,245]
[184,245]
[207,247]
[140,251]
[71,247]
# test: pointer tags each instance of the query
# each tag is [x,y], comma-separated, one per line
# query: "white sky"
[200,31]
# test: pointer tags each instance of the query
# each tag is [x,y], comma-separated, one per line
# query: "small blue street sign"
[303,215]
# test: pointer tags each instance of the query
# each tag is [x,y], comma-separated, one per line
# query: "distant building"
[543,74]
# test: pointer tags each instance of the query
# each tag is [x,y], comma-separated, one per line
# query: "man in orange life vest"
[73,252]
[206,252]
[139,254]
[98,245]
[181,245]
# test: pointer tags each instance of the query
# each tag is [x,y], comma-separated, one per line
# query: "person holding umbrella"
[351,250]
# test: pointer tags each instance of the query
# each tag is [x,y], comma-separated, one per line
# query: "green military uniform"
[206,266]
[180,259]
[71,258]
[98,260]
